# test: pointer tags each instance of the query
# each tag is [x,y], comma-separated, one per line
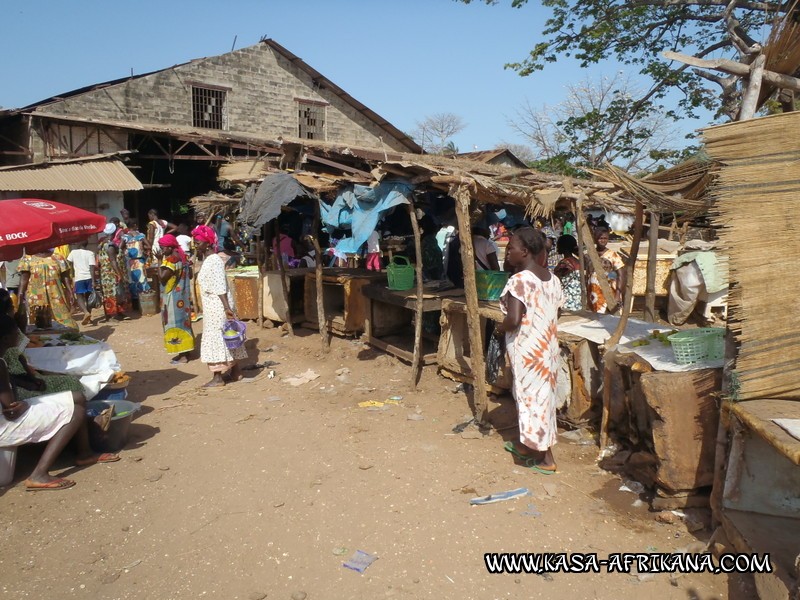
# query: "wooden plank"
[284,283]
[415,361]
[758,415]
[395,350]
[323,331]
[577,209]
[627,298]
[462,198]
[684,425]
[652,264]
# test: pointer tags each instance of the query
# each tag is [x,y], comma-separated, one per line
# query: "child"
[83,261]
[614,268]
[531,301]
[374,251]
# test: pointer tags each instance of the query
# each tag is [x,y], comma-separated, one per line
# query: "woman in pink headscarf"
[175,276]
[216,310]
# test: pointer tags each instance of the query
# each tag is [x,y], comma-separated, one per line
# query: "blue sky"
[405,59]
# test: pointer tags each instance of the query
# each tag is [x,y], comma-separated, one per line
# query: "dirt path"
[262,489]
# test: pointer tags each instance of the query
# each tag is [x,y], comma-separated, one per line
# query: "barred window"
[311,120]
[209,108]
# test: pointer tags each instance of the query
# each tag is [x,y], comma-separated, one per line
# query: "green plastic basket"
[693,345]
[490,284]
[401,276]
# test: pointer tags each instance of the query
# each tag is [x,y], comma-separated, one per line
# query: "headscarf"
[204,233]
[169,241]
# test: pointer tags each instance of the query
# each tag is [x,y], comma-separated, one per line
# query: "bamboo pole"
[627,299]
[577,207]
[597,263]
[652,258]
[416,359]
[323,324]
[477,360]
[284,282]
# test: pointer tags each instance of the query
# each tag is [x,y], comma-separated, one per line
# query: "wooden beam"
[337,165]
[577,208]
[596,262]
[786,82]
[284,282]
[627,299]
[185,157]
[652,258]
[415,361]
[480,397]
[323,324]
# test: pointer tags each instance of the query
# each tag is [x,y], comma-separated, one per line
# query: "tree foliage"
[435,131]
[595,124]
[635,32]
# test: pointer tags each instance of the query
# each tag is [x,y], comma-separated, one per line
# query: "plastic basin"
[117,435]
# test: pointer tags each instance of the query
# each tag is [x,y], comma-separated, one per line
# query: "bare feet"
[216,381]
[87,320]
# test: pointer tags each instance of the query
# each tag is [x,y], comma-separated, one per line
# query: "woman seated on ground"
[28,381]
[568,271]
[53,418]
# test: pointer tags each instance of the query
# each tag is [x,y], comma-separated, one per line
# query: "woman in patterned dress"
[136,252]
[45,284]
[216,310]
[531,301]
[175,276]
[113,279]
[568,271]
[614,268]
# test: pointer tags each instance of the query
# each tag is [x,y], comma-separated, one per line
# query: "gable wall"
[261,101]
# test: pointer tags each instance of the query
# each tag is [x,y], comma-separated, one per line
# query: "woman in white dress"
[216,311]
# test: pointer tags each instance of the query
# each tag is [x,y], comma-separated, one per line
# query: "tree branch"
[746,47]
[762,6]
[735,68]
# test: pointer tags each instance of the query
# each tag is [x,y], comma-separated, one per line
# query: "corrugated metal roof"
[92,176]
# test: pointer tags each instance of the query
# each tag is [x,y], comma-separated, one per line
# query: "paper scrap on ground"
[377,403]
[500,496]
[790,426]
[360,561]
[302,379]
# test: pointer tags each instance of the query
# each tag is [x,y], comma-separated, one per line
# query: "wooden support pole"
[416,359]
[284,280]
[477,359]
[261,270]
[323,324]
[577,207]
[597,263]
[627,298]
[652,258]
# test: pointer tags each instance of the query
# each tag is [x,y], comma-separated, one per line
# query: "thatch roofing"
[756,210]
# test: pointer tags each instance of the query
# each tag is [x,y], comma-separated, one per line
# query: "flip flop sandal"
[106,457]
[533,465]
[58,484]
[509,447]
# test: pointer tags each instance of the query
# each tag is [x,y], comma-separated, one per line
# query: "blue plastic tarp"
[359,208]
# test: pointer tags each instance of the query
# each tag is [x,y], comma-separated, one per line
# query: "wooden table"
[343,303]
[390,316]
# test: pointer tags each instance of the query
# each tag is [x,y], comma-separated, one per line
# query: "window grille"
[311,120]
[209,108]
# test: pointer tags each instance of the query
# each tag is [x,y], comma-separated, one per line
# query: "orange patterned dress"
[533,353]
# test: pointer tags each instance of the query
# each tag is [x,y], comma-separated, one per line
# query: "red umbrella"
[37,225]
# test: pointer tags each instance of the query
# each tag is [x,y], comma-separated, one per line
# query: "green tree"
[636,32]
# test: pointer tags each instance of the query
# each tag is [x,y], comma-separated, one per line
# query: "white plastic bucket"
[8,460]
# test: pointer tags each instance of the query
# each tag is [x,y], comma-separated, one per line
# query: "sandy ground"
[262,489]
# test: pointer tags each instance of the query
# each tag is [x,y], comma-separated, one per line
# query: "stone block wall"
[261,99]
